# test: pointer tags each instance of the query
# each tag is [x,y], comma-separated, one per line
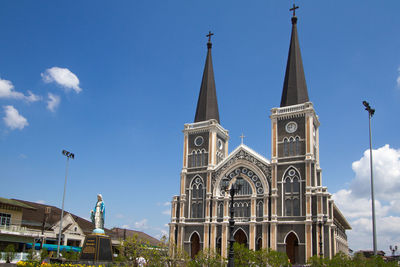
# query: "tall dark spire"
[207,105]
[294,87]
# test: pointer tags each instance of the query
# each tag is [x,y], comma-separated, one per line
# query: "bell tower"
[297,192]
[205,144]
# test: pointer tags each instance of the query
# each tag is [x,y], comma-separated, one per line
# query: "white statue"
[98,214]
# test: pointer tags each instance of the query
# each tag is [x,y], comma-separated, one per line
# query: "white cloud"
[23,156]
[63,77]
[53,102]
[141,224]
[7,91]
[398,78]
[40,201]
[355,202]
[32,97]
[166,212]
[167,203]
[386,174]
[13,119]
[125,226]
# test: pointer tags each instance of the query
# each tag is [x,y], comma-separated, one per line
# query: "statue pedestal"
[96,248]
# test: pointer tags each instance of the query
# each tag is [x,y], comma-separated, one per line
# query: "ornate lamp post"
[72,156]
[234,189]
[371,113]
[320,224]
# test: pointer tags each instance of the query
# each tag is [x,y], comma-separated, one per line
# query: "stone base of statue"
[97,247]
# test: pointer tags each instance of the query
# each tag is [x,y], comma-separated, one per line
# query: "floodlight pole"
[68,155]
[371,112]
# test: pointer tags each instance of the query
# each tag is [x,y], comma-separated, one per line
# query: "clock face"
[220,144]
[198,141]
[291,127]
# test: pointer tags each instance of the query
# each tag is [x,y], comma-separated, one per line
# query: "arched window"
[292,193]
[297,145]
[197,198]
[247,210]
[194,210]
[200,191]
[221,210]
[260,211]
[199,210]
[285,148]
[198,158]
[291,146]
[203,158]
[245,188]
[194,155]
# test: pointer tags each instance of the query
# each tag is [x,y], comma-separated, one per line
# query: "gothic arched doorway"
[240,237]
[194,245]
[292,246]
[259,244]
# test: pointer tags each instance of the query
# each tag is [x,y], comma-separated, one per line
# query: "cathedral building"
[282,203]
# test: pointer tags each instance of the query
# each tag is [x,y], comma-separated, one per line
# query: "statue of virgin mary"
[97,215]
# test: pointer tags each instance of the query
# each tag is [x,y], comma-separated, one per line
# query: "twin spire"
[207,104]
[294,87]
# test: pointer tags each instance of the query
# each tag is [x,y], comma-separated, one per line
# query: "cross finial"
[242,137]
[209,36]
[294,9]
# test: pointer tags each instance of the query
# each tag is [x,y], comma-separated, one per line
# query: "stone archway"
[292,247]
[240,237]
[194,245]
[259,244]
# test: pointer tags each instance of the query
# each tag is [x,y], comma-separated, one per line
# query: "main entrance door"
[195,245]
[240,237]
[292,245]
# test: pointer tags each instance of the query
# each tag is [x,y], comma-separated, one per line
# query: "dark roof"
[13,202]
[34,218]
[294,87]
[207,105]
[119,234]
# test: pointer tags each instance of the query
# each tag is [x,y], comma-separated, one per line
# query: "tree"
[9,253]
[207,258]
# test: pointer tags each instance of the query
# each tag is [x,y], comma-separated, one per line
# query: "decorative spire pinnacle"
[209,44]
[294,18]
[242,137]
[294,87]
[207,104]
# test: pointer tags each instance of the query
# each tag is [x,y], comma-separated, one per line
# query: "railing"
[198,124]
[292,108]
[13,228]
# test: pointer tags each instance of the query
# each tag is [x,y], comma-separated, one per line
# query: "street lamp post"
[72,156]
[232,191]
[371,113]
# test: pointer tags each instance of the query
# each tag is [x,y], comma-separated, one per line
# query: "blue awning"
[51,247]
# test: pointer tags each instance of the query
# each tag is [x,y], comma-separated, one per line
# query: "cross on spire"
[242,137]
[294,9]
[209,36]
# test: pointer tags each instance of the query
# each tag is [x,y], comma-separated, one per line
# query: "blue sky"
[115,81]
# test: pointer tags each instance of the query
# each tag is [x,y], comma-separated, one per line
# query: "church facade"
[282,203]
